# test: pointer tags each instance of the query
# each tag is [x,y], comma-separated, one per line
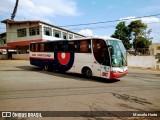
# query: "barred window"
[64,35]
[76,36]
[21,32]
[47,31]
[34,31]
[70,36]
[57,33]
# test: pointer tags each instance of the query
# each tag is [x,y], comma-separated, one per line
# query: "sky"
[74,12]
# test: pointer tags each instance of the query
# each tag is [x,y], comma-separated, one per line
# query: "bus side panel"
[60,61]
[86,60]
[40,58]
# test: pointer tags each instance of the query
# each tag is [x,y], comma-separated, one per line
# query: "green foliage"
[142,42]
[122,33]
[135,31]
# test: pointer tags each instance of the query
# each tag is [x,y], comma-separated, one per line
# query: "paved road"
[27,88]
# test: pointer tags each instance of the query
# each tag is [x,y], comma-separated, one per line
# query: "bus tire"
[47,68]
[87,72]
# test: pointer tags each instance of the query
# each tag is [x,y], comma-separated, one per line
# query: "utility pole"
[15,10]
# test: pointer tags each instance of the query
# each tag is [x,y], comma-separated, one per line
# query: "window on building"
[4,41]
[34,31]
[76,36]
[21,32]
[70,36]
[64,35]
[57,33]
[47,31]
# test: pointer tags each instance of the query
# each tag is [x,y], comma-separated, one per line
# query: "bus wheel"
[46,67]
[87,72]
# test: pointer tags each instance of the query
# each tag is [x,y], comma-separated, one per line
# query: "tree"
[122,33]
[139,35]
[135,31]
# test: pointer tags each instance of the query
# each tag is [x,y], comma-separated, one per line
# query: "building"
[20,33]
[3,39]
[155,48]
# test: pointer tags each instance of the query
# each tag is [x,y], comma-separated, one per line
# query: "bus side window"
[89,46]
[71,46]
[32,47]
[46,47]
[41,47]
[37,47]
[60,46]
[85,46]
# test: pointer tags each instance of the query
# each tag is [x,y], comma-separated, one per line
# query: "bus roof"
[56,40]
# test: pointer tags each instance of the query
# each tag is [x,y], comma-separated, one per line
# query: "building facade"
[3,39]
[20,33]
[155,48]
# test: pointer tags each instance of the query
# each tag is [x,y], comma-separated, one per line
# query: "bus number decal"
[105,74]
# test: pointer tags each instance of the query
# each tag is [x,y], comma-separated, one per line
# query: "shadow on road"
[134,99]
[68,75]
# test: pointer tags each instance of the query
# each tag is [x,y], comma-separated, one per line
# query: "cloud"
[39,9]
[150,19]
[44,10]
[128,18]
[86,32]
[144,19]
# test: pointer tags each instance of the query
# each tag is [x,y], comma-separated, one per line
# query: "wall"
[20,56]
[12,32]
[155,48]
[143,61]
[3,57]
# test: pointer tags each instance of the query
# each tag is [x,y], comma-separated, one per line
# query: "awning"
[7,47]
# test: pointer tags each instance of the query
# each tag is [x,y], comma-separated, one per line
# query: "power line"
[109,21]
[96,27]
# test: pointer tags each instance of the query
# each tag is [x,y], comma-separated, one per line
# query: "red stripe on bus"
[114,75]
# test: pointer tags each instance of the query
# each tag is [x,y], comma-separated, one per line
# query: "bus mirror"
[110,47]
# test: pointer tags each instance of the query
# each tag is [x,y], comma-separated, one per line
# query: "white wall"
[20,56]
[3,57]
[142,61]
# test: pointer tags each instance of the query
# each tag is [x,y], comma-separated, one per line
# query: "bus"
[105,58]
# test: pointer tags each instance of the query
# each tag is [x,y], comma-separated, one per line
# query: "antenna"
[15,10]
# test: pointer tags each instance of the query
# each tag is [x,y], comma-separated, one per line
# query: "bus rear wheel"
[46,68]
[87,72]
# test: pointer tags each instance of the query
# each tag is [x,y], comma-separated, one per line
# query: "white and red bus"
[98,57]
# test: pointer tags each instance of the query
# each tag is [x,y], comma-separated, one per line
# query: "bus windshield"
[119,55]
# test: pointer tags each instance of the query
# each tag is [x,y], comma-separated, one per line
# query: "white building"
[20,33]
[155,48]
